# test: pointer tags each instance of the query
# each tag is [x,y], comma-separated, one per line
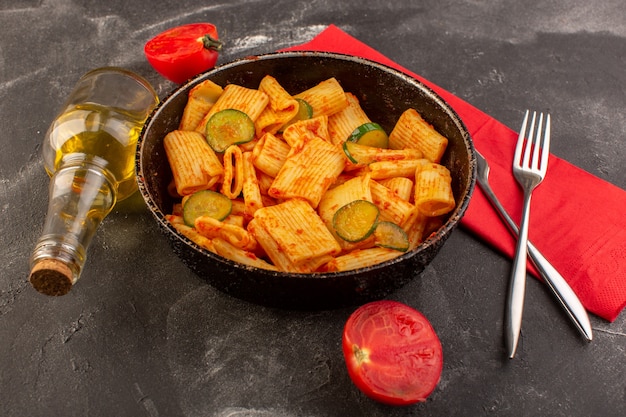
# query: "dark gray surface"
[142,336]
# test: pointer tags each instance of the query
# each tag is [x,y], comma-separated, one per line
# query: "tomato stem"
[210,42]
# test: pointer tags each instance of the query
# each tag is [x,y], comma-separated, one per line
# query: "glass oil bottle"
[89,152]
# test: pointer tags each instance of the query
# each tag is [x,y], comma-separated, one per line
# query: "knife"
[555,281]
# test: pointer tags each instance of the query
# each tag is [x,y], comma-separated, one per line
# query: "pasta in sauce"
[287,183]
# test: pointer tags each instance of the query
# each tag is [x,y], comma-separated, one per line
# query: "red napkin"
[577,219]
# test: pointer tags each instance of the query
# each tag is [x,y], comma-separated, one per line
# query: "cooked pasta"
[281,109]
[412,131]
[269,154]
[308,171]
[191,233]
[194,165]
[392,207]
[233,234]
[316,127]
[366,155]
[225,249]
[233,172]
[326,98]
[433,190]
[287,184]
[201,98]
[389,169]
[251,192]
[416,232]
[402,186]
[248,100]
[341,124]
[294,230]
[360,258]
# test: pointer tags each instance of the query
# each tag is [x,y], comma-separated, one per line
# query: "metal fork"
[530,164]
[553,279]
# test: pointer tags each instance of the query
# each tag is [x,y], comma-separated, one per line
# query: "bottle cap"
[51,277]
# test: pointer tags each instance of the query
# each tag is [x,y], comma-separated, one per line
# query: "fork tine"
[517,158]
[545,153]
[537,144]
[529,142]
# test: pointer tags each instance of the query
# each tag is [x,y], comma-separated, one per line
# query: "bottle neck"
[82,193]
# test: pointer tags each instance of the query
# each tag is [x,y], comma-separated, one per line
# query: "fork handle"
[517,283]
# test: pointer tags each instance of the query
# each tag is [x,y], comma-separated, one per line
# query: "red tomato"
[392,353]
[184,51]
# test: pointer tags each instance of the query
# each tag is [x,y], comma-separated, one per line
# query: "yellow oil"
[96,132]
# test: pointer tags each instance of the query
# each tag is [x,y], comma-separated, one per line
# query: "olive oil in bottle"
[89,152]
[94,131]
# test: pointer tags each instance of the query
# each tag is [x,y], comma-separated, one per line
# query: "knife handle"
[563,292]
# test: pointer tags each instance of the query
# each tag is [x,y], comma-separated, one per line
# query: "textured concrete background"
[143,336]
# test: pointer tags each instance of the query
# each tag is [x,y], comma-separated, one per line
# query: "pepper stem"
[211,43]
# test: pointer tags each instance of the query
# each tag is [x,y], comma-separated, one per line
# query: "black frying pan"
[384,94]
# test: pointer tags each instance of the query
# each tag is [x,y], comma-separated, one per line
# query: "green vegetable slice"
[305,112]
[370,134]
[390,235]
[356,220]
[229,127]
[206,203]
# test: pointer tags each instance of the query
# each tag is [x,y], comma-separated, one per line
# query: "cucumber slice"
[305,112]
[370,134]
[229,127]
[390,235]
[206,203]
[356,220]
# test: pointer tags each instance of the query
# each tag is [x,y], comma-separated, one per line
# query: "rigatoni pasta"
[288,183]
[201,98]
[342,123]
[295,235]
[412,131]
[316,127]
[401,186]
[381,170]
[360,258]
[392,207]
[252,198]
[326,98]
[269,154]
[433,190]
[250,101]
[194,165]
[281,109]
[308,171]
